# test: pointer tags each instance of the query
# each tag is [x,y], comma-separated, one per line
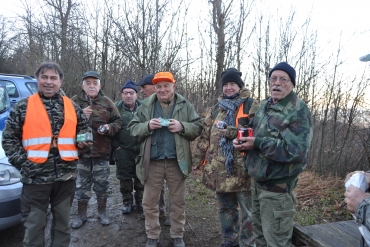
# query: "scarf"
[226,145]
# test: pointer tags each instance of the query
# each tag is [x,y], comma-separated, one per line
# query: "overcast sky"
[348,20]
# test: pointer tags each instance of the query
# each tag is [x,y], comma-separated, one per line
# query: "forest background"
[129,39]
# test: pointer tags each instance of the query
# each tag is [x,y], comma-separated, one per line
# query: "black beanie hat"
[129,84]
[232,75]
[146,80]
[286,68]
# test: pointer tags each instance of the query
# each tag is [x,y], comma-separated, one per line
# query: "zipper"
[53,130]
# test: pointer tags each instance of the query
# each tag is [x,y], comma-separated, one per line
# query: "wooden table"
[337,234]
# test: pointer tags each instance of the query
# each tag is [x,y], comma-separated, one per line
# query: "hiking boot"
[81,214]
[177,242]
[168,221]
[126,207]
[151,242]
[227,244]
[142,215]
[103,215]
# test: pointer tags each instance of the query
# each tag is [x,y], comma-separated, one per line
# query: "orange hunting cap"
[163,76]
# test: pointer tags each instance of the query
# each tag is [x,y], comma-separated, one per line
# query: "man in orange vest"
[40,139]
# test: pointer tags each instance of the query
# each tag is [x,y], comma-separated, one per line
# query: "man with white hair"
[93,165]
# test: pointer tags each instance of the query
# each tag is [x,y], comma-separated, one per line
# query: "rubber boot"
[81,214]
[103,216]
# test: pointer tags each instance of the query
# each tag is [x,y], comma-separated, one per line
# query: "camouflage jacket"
[123,139]
[208,150]
[104,112]
[183,112]
[54,169]
[283,134]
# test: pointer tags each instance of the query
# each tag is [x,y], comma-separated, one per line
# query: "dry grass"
[320,199]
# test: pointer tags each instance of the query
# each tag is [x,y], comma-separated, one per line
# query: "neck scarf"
[226,144]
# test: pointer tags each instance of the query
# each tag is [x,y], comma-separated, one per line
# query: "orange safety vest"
[37,134]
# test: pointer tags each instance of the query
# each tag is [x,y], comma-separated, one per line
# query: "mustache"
[276,88]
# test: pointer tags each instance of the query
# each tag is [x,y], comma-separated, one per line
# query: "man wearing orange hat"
[165,124]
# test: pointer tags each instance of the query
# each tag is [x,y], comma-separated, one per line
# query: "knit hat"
[146,80]
[163,76]
[129,84]
[91,74]
[232,75]
[286,68]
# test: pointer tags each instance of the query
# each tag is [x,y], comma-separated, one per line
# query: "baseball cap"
[163,76]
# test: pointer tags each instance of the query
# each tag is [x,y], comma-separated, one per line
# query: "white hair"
[83,81]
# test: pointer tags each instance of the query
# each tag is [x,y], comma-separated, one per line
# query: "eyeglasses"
[128,93]
[281,79]
[165,86]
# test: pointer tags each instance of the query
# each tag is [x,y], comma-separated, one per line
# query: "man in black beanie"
[282,130]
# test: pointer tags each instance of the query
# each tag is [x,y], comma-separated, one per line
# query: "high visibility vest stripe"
[67,153]
[62,141]
[37,154]
[36,141]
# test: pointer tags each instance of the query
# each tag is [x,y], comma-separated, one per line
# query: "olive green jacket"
[183,112]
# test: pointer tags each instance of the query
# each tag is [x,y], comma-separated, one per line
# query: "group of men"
[150,140]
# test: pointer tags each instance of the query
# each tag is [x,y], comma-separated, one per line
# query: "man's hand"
[353,197]
[175,126]
[84,144]
[87,111]
[244,143]
[154,123]
[106,126]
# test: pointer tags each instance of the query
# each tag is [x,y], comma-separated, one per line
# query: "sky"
[345,21]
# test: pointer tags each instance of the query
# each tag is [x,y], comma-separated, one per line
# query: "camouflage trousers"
[92,172]
[232,229]
[273,214]
[126,188]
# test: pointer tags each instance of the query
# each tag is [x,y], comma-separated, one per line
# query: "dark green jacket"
[208,149]
[283,137]
[54,169]
[183,112]
[124,139]
[104,112]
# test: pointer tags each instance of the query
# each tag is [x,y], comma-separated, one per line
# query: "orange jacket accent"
[240,114]
[37,136]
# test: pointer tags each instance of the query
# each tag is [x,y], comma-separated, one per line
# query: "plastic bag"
[358,180]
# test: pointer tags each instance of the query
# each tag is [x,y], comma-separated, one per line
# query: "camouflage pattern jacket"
[54,169]
[104,112]
[283,135]
[183,112]
[208,150]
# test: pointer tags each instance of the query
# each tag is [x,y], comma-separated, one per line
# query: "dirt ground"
[201,229]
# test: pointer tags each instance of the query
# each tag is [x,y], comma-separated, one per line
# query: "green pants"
[273,214]
[35,200]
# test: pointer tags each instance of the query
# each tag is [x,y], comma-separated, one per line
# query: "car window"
[12,89]
[4,100]
[32,86]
